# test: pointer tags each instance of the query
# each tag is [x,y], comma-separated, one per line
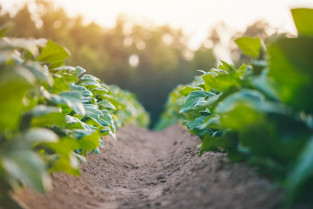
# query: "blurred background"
[149,47]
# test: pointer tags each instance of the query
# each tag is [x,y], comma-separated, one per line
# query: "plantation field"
[235,137]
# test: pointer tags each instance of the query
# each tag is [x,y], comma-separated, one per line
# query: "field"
[233,138]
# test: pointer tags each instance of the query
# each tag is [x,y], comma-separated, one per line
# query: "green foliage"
[52,115]
[261,112]
[250,46]
[303,20]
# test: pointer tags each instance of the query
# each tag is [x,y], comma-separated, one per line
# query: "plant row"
[52,115]
[261,112]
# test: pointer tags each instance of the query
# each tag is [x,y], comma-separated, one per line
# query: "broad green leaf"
[53,53]
[76,71]
[41,110]
[90,84]
[60,84]
[107,119]
[39,72]
[65,160]
[241,109]
[72,99]
[226,67]
[88,77]
[88,100]
[92,111]
[75,123]
[188,89]
[88,142]
[196,122]
[89,81]
[211,143]
[85,92]
[301,173]
[40,135]
[79,71]
[14,84]
[302,18]
[196,128]
[105,104]
[250,46]
[99,91]
[245,97]
[212,122]
[48,119]
[290,67]
[221,81]
[193,100]
[64,69]
[27,166]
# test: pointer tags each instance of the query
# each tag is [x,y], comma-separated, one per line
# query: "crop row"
[262,112]
[51,114]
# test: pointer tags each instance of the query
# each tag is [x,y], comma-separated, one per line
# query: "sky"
[195,17]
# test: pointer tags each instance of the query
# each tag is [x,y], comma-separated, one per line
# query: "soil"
[145,169]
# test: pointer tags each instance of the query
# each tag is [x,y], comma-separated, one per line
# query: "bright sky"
[196,17]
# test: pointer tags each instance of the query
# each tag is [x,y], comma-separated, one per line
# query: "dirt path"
[146,169]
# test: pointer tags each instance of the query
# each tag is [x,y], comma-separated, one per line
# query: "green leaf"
[39,72]
[301,174]
[88,142]
[99,91]
[60,84]
[79,71]
[302,18]
[14,84]
[75,123]
[227,67]
[88,77]
[105,104]
[188,89]
[107,119]
[250,46]
[53,53]
[72,99]
[89,81]
[221,81]
[48,119]
[212,122]
[84,90]
[210,143]
[245,97]
[40,135]
[92,111]
[196,122]
[290,67]
[25,165]
[64,158]
[194,99]
[76,71]
[41,110]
